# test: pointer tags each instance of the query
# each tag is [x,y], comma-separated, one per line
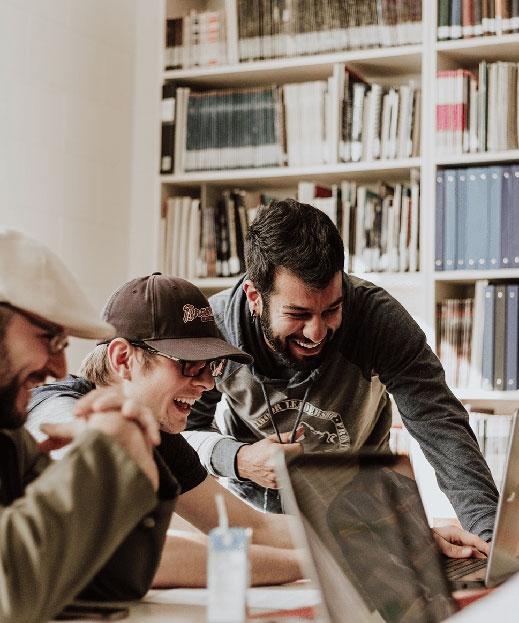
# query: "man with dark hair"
[74,528]
[327,347]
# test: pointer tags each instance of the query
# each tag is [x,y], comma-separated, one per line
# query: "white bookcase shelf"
[289,176]
[486,157]
[392,62]
[419,291]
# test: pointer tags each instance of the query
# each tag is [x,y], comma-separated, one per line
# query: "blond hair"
[97,369]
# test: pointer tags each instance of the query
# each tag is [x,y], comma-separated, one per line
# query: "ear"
[253,298]
[121,355]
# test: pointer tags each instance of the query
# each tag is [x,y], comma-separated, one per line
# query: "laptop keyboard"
[456,568]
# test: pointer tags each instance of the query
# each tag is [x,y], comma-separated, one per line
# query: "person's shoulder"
[72,386]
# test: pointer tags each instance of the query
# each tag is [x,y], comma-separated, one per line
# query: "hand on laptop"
[255,460]
[457,543]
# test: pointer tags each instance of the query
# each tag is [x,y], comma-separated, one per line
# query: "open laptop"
[503,560]
[372,553]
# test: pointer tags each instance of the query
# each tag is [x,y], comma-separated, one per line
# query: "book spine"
[461,218]
[443,19]
[449,259]
[512,336]
[455,23]
[514,213]
[506,215]
[488,339]
[479,224]
[495,176]
[499,336]
[167,152]
[439,220]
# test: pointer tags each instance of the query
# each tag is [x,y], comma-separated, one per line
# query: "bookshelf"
[389,66]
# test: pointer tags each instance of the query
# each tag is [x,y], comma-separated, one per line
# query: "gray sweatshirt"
[378,349]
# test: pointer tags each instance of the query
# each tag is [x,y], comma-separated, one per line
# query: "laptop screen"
[504,557]
[364,512]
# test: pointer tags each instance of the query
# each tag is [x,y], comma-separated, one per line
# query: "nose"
[57,365]
[205,380]
[315,328]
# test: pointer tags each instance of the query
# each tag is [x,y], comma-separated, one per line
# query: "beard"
[10,416]
[309,362]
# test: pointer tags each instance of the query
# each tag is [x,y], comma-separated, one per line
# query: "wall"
[67,111]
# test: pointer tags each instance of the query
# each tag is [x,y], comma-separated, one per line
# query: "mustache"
[305,340]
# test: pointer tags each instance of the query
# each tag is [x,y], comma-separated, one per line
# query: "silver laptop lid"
[504,555]
[364,513]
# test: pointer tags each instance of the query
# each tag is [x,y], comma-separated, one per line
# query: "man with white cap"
[68,528]
[166,352]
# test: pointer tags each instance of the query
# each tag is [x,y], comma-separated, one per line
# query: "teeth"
[187,401]
[306,345]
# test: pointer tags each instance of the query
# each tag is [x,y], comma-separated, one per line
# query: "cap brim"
[99,330]
[200,349]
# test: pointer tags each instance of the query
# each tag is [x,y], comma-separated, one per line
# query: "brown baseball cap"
[172,316]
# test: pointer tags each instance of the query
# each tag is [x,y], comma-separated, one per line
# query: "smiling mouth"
[184,404]
[309,347]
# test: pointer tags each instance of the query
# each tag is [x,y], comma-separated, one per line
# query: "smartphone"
[96,612]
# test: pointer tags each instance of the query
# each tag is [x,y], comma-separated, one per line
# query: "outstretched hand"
[457,543]
[255,461]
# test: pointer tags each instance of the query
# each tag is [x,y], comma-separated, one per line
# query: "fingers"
[458,543]
[63,430]
[285,437]
[50,444]
[104,400]
[299,433]
[143,417]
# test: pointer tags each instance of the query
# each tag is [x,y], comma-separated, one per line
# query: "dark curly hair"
[295,237]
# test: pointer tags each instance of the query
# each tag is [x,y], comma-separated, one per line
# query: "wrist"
[223,457]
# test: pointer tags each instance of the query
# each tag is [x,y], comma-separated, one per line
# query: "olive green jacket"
[89,525]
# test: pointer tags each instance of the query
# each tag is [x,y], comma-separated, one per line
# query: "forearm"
[184,563]
[274,530]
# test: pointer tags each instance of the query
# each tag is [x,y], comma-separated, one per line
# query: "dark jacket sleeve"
[396,347]
[90,511]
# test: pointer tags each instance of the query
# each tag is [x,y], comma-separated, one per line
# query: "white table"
[188,605]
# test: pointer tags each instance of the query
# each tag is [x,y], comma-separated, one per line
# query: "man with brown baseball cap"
[68,528]
[165,354]
[170,315]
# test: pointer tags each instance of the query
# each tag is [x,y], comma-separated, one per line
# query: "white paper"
[272,598]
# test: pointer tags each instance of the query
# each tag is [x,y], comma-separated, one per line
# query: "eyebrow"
[336,303]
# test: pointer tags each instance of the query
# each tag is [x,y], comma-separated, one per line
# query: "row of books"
[206,240]
[493,434]
[462,19]
[477,338]
[195,40]
[478,113]
[280,28]
[454,339]
[342,119]
[477,218]
[379,224]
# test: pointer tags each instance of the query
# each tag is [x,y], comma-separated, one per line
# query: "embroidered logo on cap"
[191,313]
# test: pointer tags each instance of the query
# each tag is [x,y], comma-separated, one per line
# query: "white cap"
[34,279]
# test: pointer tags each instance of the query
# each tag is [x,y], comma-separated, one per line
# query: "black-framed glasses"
[57,339]
[190,369]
